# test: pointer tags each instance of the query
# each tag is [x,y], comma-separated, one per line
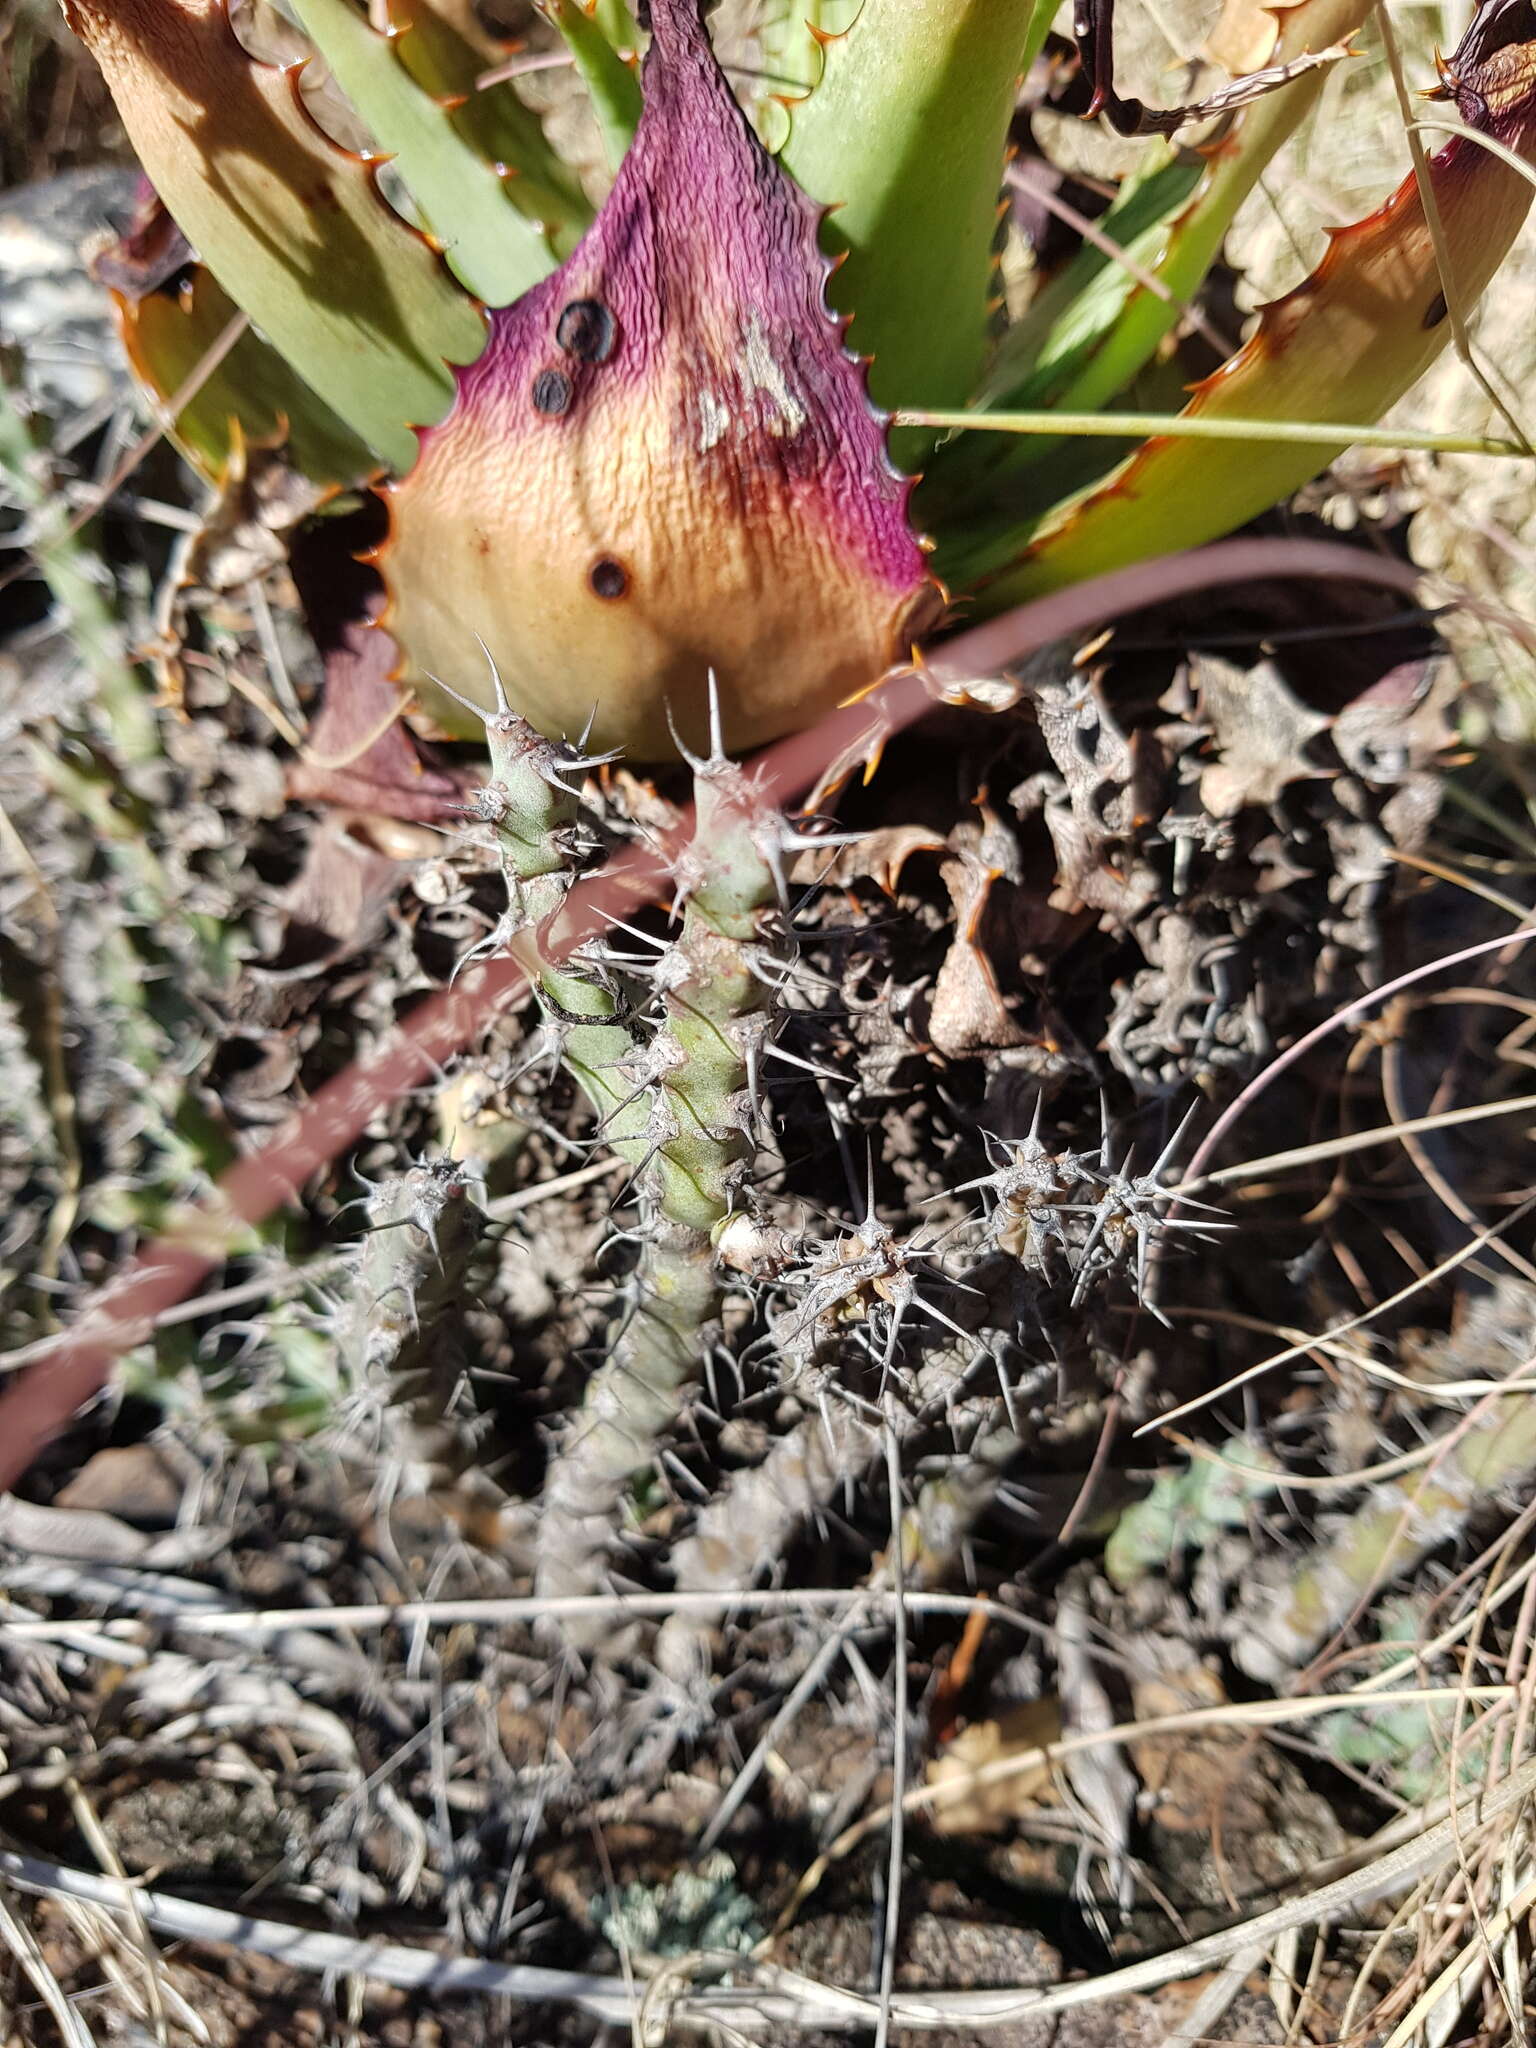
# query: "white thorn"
[503,704]
[716,722]
[811,842]
[1173,1143]
[468,702]
[646,938]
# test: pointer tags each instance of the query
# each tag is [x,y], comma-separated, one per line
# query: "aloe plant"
[627,447]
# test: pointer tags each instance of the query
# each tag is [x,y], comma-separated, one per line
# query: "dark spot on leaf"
[585,330]
[551,392]
[1436,312]
[609,578]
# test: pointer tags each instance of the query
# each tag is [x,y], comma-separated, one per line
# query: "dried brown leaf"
[1262,732]
[987,1809]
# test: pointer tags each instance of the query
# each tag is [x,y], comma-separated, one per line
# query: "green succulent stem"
[751,1521]
[673,1091]
[399,1331]
[1388,1535]
[696,1074]
[535,818]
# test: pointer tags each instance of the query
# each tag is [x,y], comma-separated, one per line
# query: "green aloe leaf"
[1108,341]
[1068,330]
[357,302]
[252,392]
[904,136]
[437,52]
[595,40]
[617,23]
[980,490]
[493,249]
[1344,346]
[1098,326]
[791,38]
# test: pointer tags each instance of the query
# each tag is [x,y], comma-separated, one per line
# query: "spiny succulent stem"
[751,1521]
[398,1329]
[673,1091]
[672,1299]
[1286,1616]
[696,1137]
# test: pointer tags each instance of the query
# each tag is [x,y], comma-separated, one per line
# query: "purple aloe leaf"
[665,461]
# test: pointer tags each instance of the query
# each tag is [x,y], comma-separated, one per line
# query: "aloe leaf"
[791,38]
[617,23]
[665,464]
[1072,322]
[1180,248]
[354,299]
[594,41]
[493,249]
[904,136]
[438,52]
[1097,326]
[1344,346]
[252,393]
[980,490]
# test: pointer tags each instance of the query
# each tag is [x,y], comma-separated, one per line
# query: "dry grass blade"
[892,1934]
[779,1996]
[1442,125]
[309,1949]
[1449,1989]
[1360,1007]
[89,1824]
[1215,2001]
[1024,1762]
[1304,1345]
[255,1623]
[1354,1141]
[1115,426]
[73,2031]
[103,493]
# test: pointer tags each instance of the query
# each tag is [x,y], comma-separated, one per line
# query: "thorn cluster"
[413,1271]
[1084,1217]
[865,1279]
